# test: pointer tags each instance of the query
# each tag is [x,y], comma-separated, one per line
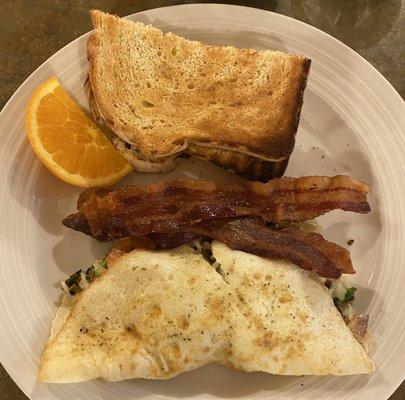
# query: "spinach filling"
[81,278]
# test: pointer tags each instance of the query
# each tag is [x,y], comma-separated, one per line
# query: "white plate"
[352,123]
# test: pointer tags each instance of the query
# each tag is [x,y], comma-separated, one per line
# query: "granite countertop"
[371,27]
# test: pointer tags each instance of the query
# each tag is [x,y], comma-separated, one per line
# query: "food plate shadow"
[365,299]
[213,380]
[218,381]
[339,226]
[342,386]
[76,251]
[220,36]
[44,195]
[327,144]
[40,332]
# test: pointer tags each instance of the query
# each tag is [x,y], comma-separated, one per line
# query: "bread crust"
[243,118]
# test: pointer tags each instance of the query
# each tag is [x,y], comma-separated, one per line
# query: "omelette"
[156,314]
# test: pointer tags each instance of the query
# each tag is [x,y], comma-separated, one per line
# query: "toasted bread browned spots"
[163,95]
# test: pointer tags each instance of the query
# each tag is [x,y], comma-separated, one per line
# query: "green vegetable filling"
[348,296]
[91,273]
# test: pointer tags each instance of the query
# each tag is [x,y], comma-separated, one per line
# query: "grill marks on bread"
[162,93]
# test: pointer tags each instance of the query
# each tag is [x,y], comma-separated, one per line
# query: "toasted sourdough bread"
[157,314]
[166,96]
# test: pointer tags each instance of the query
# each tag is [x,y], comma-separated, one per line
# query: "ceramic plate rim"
[391,92]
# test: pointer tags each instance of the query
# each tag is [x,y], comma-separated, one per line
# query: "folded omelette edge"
[156,314]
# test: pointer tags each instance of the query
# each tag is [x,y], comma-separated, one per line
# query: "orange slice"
[68,142]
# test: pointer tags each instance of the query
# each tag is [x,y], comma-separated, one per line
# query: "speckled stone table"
[31,31]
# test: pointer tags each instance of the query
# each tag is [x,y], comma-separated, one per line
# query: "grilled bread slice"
[242,164]
[164,96]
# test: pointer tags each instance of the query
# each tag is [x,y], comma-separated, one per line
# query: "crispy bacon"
[310,251]
[167,207]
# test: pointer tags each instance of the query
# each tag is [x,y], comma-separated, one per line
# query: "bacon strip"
[310,251]
[166,207]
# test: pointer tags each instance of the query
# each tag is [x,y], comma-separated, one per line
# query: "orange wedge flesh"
[68,142]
